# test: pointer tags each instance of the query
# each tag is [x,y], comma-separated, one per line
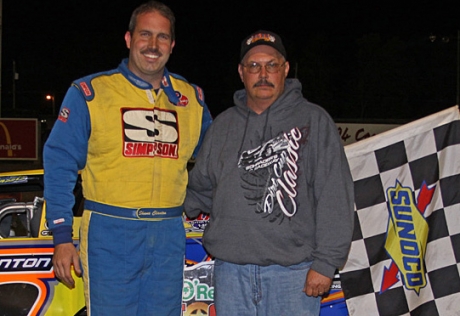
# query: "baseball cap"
[262,37]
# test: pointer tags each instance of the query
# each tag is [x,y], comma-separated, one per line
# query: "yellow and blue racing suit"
[131,145]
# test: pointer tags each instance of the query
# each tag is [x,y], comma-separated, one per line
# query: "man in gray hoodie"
[273,175]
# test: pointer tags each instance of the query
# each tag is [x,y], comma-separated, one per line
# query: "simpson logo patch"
[64,115]
[148,133]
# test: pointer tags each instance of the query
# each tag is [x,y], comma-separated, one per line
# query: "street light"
[51,97]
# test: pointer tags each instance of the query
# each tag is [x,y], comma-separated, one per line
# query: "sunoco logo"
[407,237]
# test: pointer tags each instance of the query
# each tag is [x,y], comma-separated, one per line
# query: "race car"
[266,153]
[27,282]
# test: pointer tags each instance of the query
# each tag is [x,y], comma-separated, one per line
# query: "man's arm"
[199,189]
[63,156]
[333,187]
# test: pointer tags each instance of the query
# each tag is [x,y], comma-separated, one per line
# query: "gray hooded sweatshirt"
[277,185]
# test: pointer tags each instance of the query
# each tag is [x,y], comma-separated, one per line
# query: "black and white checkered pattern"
[425,151]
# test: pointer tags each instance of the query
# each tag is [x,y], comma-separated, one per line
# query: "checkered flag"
[405,254]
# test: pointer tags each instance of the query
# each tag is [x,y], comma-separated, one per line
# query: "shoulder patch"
[84,85]
[199,94]
[86,90]
[64,114]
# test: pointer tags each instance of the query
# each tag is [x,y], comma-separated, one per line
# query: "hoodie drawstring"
[244,133]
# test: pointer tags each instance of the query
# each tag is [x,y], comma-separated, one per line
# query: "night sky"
[53,42]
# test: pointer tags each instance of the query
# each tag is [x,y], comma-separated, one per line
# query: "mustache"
[151,51]
[264,82]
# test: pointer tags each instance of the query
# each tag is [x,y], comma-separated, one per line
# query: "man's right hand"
[65,256]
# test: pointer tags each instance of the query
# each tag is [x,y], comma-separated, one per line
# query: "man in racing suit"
[130,132]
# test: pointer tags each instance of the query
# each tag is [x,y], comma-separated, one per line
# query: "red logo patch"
[164,82]
[183,100]
[200,93]
[85,89]
[64,115]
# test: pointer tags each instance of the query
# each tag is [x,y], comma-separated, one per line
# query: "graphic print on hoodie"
[269,175]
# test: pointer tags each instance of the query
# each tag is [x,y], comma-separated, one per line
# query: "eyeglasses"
[271,68]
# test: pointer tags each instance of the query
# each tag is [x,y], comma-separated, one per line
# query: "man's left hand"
[316,284]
